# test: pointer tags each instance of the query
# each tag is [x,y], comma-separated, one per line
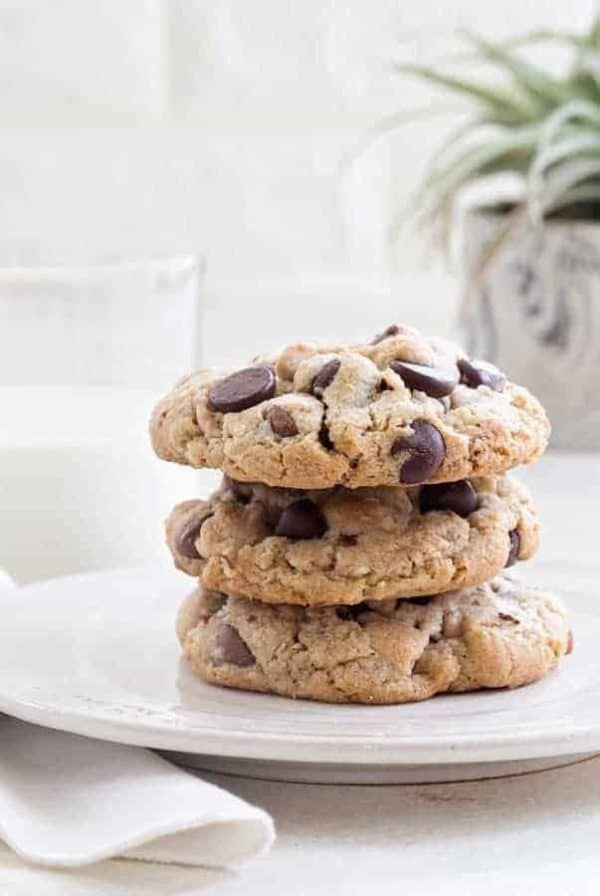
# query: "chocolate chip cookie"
[497,635]
[401,410]
[341,546]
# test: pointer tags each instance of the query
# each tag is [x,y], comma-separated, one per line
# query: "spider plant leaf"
[502,105]
[530,79]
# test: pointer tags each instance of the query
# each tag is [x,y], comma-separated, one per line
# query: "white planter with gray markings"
[535,312]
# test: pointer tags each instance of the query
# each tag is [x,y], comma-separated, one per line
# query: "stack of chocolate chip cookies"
[354,550]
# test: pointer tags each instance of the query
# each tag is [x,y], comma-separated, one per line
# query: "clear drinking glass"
[125,323]
[85,351]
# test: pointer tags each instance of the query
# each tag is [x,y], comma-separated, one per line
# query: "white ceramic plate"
[96,655]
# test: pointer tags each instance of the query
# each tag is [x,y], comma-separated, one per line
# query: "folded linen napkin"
[67,800]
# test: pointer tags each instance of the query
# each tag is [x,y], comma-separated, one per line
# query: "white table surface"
[536,833]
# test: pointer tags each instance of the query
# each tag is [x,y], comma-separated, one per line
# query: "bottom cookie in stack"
[502,634]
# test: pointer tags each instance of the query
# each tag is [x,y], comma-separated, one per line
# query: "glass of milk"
[80,488]
[85,352]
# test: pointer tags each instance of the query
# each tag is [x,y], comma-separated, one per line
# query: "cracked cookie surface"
[498,635]
[400,410]
[340,546]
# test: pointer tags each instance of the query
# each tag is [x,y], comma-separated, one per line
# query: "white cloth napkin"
[67,801]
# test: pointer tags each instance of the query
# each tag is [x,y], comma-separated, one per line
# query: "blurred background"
[168,127]
[192,182]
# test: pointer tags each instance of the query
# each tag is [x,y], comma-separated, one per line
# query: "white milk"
[79,485]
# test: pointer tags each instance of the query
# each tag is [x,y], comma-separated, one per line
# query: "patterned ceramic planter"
[535,312]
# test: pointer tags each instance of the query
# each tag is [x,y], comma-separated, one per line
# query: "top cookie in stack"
[398,411]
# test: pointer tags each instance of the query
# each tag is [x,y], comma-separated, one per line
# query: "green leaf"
[514,149]
[531,122]
[573,111]
[545,36]
[502,105]
[565,176]
[579,144]
[594,34]
[531,79]
[457,137]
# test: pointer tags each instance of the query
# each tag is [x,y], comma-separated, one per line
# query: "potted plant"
[531,254]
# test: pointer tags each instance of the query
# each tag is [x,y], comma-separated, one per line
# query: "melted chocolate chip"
[231,647]
[426,449]
[434,382]
[242,389]
[324,438]
[480,373]
[325,377]
[348,540]
[392,330]
[459,497]
[514,548]
[186,537]
[508,617]
[301,519]
[281,422]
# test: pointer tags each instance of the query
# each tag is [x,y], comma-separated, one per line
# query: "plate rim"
[385,749]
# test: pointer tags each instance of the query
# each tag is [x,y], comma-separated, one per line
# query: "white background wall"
[218,126]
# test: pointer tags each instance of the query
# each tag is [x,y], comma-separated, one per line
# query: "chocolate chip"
[186,537]
[348,540]
[301,519]
[570,642]
[459,497]
[426,452]
[480,373]
[233,650]
[514,548]
[324,438]
[325,377]
[507,617]
[281,422]
[384,386]
[392,330]
[271,514]
[430,380]
[242,389]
